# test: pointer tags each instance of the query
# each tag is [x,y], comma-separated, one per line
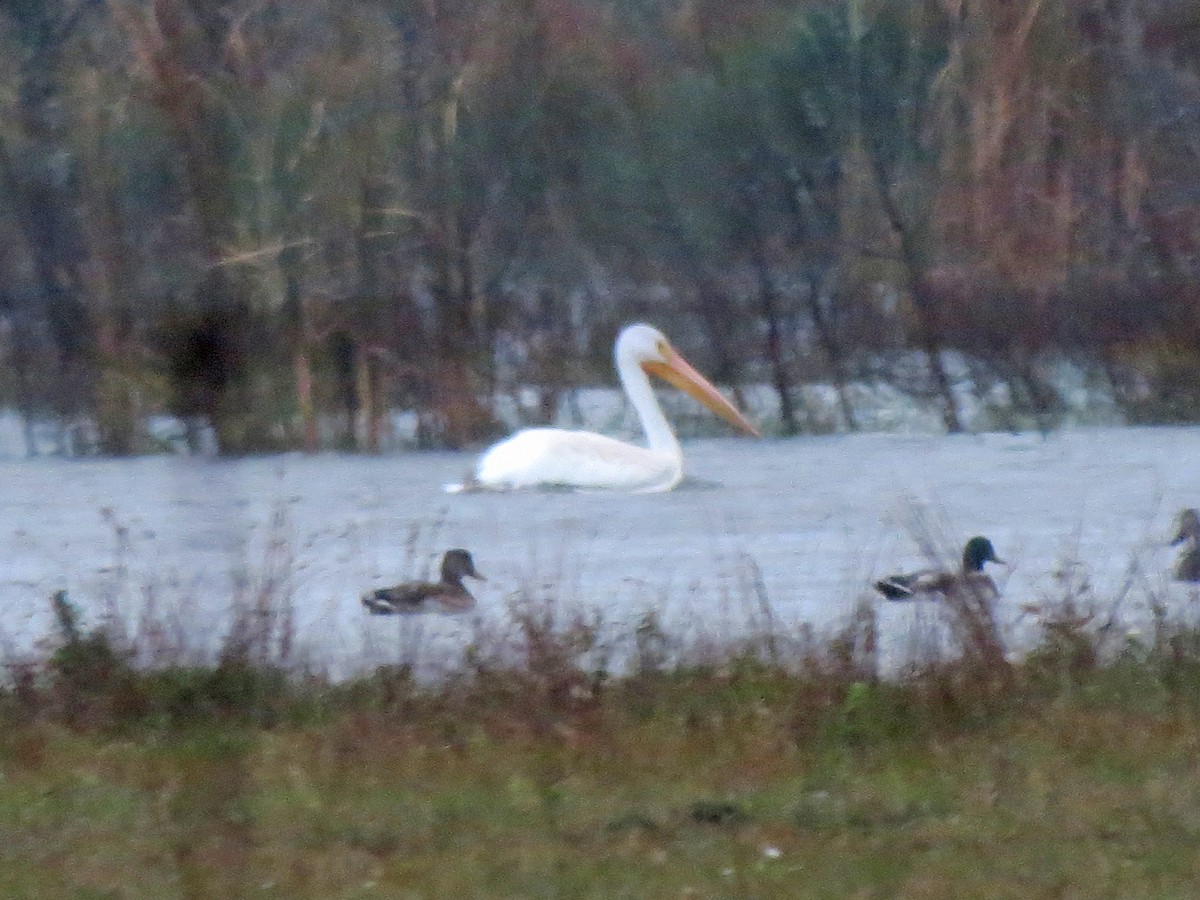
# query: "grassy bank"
[765,773]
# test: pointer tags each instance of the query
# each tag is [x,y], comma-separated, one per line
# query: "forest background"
[279,222]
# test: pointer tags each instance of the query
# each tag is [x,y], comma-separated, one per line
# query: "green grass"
[1074,774]
[752,782]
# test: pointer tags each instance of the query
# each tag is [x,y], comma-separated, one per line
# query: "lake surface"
[816,519]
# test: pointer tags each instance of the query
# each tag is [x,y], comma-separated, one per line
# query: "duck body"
[1187,566]
[446,596]
[555,457]
[930,583]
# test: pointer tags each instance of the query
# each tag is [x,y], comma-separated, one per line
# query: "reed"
[567,755]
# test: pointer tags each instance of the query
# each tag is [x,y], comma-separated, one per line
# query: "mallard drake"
[445,596]
[931,583]
[1187,567]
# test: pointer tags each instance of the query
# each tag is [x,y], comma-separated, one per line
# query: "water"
[816,518]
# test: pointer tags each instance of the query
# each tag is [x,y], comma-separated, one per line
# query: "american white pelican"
[447,596]
[580,459]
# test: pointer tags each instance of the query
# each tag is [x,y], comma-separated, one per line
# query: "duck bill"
[676,372]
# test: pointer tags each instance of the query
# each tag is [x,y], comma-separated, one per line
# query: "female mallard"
[931,583]
[1187,567]
[446,596]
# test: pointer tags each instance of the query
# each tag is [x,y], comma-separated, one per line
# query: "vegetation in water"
[783,765]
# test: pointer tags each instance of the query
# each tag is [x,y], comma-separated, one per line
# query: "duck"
[445,596]
[1187,566]
[931,583]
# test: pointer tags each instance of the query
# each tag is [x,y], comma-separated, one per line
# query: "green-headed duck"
[931,583]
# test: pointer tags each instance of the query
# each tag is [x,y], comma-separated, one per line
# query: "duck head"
[979,550]
[456,564]
[1188,528]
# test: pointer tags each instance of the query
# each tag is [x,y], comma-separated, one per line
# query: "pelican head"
[645,346]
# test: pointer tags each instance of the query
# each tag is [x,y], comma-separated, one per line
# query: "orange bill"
[678,373]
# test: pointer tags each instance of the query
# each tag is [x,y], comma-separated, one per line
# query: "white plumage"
[581,459]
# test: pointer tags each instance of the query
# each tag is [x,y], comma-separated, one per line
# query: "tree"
[40,176]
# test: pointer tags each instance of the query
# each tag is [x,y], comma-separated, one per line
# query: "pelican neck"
[659,435]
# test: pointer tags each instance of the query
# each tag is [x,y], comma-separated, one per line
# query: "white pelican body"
[557,457]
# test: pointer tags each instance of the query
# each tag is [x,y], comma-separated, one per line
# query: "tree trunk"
[182,57]
[302,370]
[23,350]
[368,408]
[715,316]
[45,205]
[834,353]
[817,226]
[296,334]
[769,299]
[924,304]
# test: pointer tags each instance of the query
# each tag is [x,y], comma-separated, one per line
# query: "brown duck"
[931,583]
[445,596]
[1187,567]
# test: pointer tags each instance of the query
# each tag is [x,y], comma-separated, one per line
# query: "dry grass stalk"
[971,612]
